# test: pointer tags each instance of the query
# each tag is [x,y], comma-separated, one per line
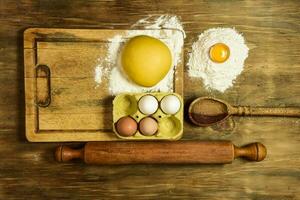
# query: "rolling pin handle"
[65,154]
[253,152]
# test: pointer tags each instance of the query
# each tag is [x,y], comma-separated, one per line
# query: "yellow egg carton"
[170,126]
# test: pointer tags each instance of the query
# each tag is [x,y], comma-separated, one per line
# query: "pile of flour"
[111,67]
[217,76]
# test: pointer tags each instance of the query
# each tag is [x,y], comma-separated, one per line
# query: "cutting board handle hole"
[43,86]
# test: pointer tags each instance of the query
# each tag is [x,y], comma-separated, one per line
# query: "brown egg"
[126,126]
[148,126]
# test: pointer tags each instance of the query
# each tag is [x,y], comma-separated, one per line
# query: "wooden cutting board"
[63,101]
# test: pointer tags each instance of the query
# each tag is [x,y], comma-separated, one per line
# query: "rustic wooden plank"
[264,179]
[271,29]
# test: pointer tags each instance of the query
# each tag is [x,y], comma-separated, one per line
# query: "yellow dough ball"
[146,60]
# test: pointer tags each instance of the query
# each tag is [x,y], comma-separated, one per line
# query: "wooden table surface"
[270,78]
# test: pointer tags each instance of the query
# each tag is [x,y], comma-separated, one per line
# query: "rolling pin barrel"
[185,152]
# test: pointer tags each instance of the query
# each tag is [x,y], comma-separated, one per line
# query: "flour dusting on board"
[118,81]
[161,22]
[98,74]
[217,76]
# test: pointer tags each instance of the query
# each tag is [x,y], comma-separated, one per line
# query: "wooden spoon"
[206,111]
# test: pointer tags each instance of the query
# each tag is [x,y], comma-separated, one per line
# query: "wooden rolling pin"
[183,152]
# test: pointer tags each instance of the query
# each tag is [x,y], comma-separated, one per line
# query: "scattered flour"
[161,22]
[100,72]
[218,76]
[152,26]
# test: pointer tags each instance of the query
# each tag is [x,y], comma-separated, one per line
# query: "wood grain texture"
[270,78]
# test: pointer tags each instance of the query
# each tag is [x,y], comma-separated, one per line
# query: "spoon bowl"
[206,111]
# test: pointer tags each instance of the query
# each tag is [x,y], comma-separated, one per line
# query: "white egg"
[170,104]
[148,104]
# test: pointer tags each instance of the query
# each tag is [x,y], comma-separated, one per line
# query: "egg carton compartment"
[170,126]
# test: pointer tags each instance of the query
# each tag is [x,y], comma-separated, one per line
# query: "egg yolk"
[219,53]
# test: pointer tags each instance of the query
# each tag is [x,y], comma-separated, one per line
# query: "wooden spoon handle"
[258,111]
[183,152]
